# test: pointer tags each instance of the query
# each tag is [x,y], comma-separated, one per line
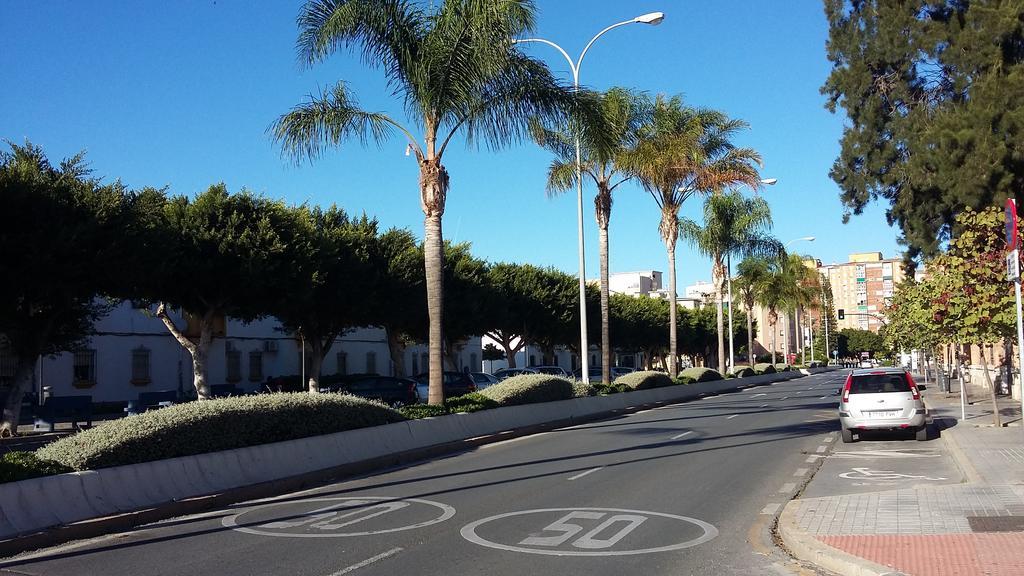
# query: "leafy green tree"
[733,226]
[623,112]
[911,321]
[639,323]
[490,353]
[680,152]
[752,274]
[62,246]
[220,256]
[455,68]
[399,299]
[933,91]
[329,282]
[826,316]
[858,341]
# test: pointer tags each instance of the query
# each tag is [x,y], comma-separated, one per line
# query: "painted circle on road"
[338,517]
[588,532]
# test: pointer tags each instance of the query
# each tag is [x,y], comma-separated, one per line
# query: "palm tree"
[733,225]
[774,290]
[623,112]
[455,70]
[684,151]
[752,273]
[805,291]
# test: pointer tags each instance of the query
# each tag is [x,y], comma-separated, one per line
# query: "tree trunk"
[785,338]
[396,351]
[717,276]
[606,345]
[672,371]
[774,317]
[750,337]
[24,373]
[199,351]
[433,193]
[316,360]
[986,362]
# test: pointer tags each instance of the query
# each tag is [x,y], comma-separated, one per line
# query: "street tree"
[622,113]
[933,92]
[733,226]
[455,68]
[219,256]
[680,152]
[752,274]
[398,302]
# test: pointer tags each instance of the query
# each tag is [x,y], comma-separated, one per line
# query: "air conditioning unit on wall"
[270,345]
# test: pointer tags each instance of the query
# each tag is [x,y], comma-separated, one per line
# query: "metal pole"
[302,359]
[1020,335]
[810,331]
[732,354]
[827,316]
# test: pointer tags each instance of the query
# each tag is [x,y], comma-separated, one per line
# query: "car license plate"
[883,413]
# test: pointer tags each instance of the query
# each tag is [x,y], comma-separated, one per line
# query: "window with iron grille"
[255,366]
[84,369]
[234,365]
[342,358]
[140,365]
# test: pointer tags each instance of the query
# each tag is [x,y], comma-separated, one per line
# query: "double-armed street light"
[652,18]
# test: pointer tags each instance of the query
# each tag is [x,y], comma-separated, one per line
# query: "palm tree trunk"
[775,330]
[433,192]
[785,338]
[672,371]
[606,344]
[719,315]
[750,336]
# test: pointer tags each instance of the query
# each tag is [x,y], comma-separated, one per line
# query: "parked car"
[594,372]
[483,379]
[390,390]
[510,372]
[882,399]
[455,384]
[621,371]
[553,370]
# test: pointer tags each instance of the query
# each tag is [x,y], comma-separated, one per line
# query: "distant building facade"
[863,287]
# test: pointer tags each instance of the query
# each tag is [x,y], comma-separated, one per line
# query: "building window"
[140,365]
[371,362]
[234,365]
[85,368]
[342,358]
[255,366]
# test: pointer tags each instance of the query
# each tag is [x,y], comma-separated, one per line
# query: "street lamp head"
[769,181]
[654,18]
[809,238]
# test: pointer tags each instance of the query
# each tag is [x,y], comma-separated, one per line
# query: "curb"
[960,457]
[805,547]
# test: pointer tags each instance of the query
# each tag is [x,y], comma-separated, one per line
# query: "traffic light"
[842,313]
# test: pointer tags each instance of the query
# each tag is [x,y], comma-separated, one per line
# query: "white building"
[644,283]
[133,352]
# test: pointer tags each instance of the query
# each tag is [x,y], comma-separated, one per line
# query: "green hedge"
[530,389]
[417,411]
[581,389]
[742,371]
[783,367]
[472,402]
[644,380]
[764,368]
[683,380]
[213,425]
[701,374]
[19,465]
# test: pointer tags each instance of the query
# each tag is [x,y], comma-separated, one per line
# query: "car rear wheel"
[847,435]
[922,433]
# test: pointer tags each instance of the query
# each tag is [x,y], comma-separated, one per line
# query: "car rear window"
[879,383]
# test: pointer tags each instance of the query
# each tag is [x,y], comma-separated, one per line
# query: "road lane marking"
[731,417]
[582,474]
[367,562]
[821,449]
[813,458]
[511,440]
[787,487]
[764,405]
[784,398]
[823,397]
[678,436]
[771,508]
[830,438]
[800,472]
[756,395]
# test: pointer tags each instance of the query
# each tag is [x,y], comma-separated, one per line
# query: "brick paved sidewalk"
[976,528]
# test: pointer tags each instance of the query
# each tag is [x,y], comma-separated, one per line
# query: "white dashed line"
[813,458]
[756,395]
[830,438]
[771,508]
[678,436]
[367,562]
[764,405]
[582,474]
[800,472]
[784,397]
[787,487]
[731,417]
[821,449]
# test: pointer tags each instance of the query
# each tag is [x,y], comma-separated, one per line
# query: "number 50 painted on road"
[589,540]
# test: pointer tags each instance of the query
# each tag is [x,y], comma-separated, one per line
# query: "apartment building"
[862,287]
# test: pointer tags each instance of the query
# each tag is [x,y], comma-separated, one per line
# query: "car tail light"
[846,388]
[913,387]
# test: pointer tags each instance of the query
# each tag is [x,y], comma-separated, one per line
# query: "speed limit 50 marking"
[588,532]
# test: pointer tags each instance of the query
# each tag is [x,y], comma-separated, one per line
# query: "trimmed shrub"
[214,425]
[742,372]
[782,367]
[530,389]
[417,411]
[644,380]
[764,368]
[19,465]
[472,402]
[683,380]
[581,389]
[702,374]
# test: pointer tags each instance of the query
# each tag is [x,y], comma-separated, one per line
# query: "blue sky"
[180,94]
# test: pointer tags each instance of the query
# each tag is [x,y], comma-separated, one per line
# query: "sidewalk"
[971,528]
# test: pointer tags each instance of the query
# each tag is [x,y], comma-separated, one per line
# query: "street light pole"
[798,328]
[652,18]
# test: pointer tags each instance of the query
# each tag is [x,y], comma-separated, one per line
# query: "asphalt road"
[690,488]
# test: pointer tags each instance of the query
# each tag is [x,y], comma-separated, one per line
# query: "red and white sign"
[1011,224]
